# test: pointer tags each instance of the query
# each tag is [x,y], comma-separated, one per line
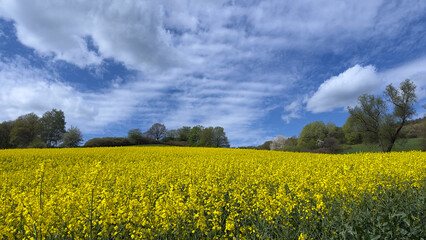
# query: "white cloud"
[170,42]
[414,70]
[343,90]
[163,34]
[26,89]
[293,110]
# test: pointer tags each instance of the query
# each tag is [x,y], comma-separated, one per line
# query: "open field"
[198,193]
[409,144]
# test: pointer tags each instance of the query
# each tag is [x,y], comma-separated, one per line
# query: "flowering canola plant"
[196,193]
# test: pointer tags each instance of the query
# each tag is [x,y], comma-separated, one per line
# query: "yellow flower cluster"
[152,192]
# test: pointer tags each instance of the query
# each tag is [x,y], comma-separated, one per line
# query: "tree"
[373,118]
[213,137]
[207,137]
[312,135]
[53,127]
[220,138]
[335,132]
[26,129]
[5,129]
[265,146]
[183,133]
[194,135]
[135,135]
[352,131]
[172,134]
[157,131]
[72,137]
[278,142]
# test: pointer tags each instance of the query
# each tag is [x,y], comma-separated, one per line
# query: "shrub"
[108,142]
[37,143]
[176,143]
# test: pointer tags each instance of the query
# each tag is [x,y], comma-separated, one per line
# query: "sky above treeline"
[257,68]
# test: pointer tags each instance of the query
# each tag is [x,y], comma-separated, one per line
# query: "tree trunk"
[393,139]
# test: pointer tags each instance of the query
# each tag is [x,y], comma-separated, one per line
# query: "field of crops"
[199,193]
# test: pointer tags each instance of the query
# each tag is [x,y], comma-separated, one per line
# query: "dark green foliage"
[312,134]
[136,137]
[335,132]
[52,127]
[265,146]
[410,144]
[5,130]
[194,136]
[176,143]
[25,129]
[414,128]
[37,143]
[352,131]
[183,133]
[373,119]
[213,137]
[207,137]
[108,142]
[72,138]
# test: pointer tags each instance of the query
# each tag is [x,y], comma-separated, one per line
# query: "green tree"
[213,137]
[26,129]
[352,132]
[72,137]
[194,135]
[135,136]
[53,127]
[220,138]
[157,131]
[312,134]
[335,132]
[265,146]
[207,137]
[5,130]
[373,118]
[183,133]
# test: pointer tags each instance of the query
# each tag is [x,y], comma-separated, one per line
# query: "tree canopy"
[72,137]
[373,118]
[157,131]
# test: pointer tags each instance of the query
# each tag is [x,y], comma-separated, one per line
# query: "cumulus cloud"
[343,90]
[130,32]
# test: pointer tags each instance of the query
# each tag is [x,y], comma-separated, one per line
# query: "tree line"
[32,131]
[197,136]
[375,120]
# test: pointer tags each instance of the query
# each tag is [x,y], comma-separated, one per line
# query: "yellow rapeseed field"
[202,193]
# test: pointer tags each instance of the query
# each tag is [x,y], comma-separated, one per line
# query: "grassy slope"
[400,145]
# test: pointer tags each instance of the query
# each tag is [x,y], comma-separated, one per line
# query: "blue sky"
[257,68]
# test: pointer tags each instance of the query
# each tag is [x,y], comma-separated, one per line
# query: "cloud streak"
[205,62]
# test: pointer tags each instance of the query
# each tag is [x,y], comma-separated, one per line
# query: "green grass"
[410,144]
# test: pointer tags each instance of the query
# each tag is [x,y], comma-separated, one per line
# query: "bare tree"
[157,131]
